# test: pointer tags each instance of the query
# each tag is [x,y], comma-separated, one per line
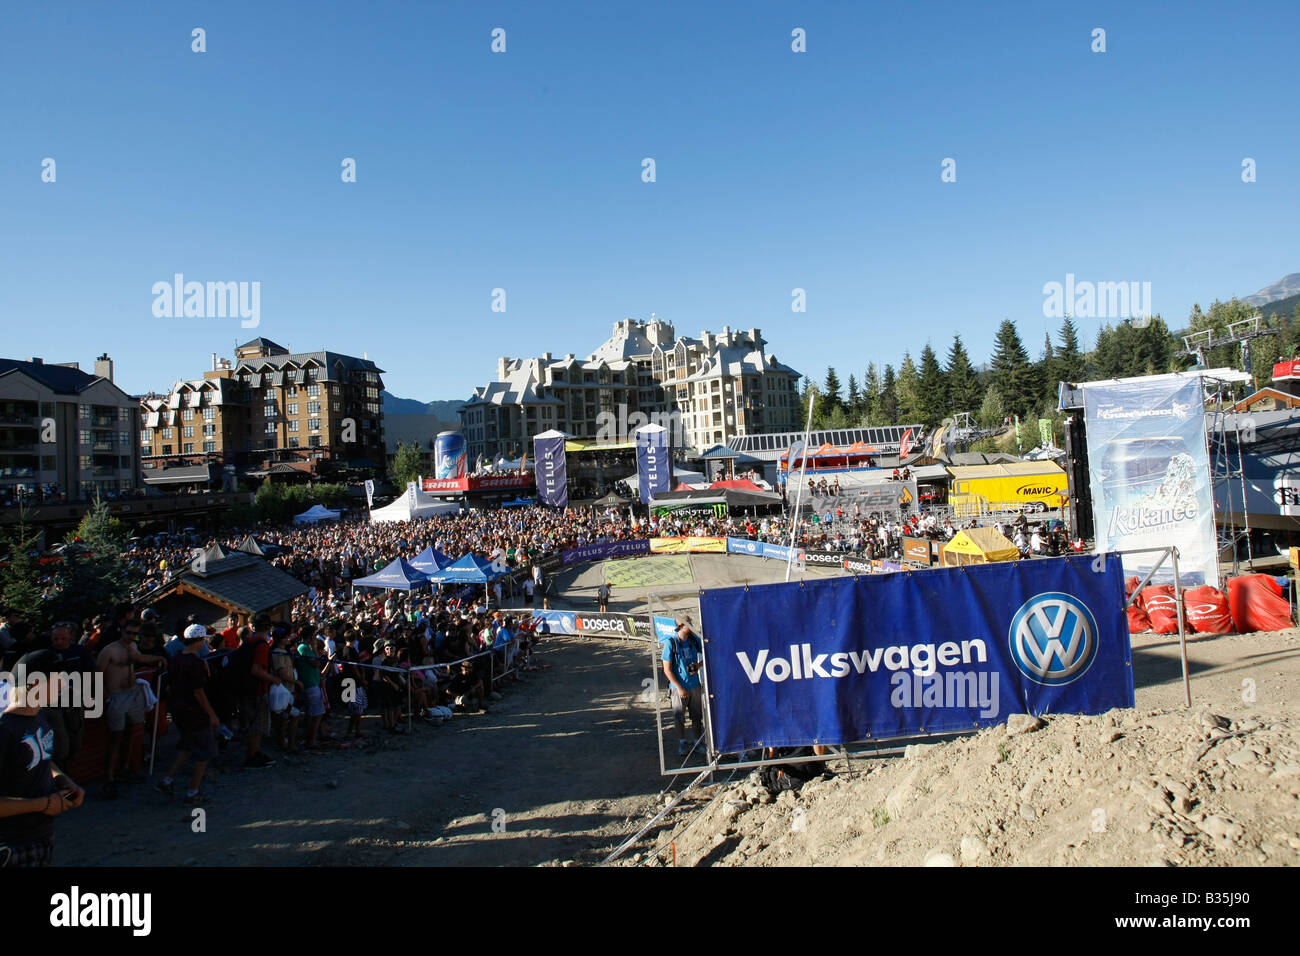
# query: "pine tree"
[406,463]
[965,393]
[1069,360]
[831,391]
[853,401]
[908,390]
[933,397]
[870,397]
[888,406]
[1011,374]
[1048,372]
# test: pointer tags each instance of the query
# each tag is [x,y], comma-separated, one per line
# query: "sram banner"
[845,659]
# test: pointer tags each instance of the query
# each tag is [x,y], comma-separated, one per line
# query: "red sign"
[1286,369]
[483,483]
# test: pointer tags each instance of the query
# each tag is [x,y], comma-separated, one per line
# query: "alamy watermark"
[208,300]
[84,690]
[1096,300]
[622,425]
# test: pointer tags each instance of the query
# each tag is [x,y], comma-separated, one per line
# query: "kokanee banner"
[1149,469]
[551,470]
[688,545]
[844,659]
[605,549]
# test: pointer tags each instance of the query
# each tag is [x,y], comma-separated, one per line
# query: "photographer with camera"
[683,656]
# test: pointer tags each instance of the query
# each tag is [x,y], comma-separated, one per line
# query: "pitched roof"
[57,378]
[243,582]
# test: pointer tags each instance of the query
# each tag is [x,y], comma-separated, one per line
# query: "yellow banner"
[688,545]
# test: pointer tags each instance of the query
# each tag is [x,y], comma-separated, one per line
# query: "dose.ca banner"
[1150,474]
[552,471]
[844,659]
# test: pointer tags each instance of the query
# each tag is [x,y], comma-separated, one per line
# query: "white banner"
[1150,473]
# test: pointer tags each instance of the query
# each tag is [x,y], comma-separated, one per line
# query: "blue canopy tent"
[430,560]
[399,576]
[471,569]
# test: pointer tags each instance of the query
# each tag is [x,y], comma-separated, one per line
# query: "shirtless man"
[125,697]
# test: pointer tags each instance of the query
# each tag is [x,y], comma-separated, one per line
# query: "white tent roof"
[679,475]
[426,506]
[316,513]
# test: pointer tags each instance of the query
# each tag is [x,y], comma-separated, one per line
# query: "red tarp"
[1161,607]
[1207,610]
[1257,603]
[1137,618]
[739,484]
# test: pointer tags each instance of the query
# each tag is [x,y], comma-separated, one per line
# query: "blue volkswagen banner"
[552,469]
[759,549]
[653,465]
[839,660]
[605,549]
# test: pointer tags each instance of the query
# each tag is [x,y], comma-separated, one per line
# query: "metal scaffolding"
[1227,467]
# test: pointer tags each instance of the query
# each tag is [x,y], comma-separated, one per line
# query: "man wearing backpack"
[683,656]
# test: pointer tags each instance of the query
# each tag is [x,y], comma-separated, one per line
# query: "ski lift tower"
[1242,332]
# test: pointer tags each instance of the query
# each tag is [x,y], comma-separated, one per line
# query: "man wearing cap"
[32,789]
[195,720]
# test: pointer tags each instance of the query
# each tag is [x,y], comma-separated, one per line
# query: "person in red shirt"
[255,709]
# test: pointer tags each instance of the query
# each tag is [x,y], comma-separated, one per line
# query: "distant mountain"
[1285,287]
[1283,307]
[446,411]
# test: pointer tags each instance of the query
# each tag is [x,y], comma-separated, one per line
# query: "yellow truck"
[1020,485]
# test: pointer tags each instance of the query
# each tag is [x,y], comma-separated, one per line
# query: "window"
[146,436]
[314,424]
[187,431]
[209,430]
[314,441]
[167,449]
[313,391]
[209,413]
[313,408]
[293,442]
[187,414]
[269,411]
[293,426]
[124,414]
[209,446]
[84,436]
[292,409]
[269,443]
[338,406]
[189,448]
[292,391]
[83,412]
[270,428]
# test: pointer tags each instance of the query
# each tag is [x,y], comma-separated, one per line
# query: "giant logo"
[1053,638]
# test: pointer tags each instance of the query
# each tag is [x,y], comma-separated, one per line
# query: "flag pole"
[803,473]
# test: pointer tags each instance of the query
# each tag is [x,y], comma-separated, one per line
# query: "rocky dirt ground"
[564,768]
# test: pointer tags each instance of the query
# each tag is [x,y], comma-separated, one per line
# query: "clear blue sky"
[522,170]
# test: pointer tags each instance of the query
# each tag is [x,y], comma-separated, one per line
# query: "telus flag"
[653,461]
[552,471]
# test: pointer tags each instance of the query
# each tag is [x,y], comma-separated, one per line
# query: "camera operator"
[683,656]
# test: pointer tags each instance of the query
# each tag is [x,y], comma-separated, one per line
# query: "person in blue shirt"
[683,656]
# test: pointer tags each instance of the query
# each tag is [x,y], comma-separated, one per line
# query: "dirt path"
[564,757]
[569,759]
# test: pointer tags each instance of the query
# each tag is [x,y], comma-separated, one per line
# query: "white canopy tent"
[404,509]
[316,513]
[680,476]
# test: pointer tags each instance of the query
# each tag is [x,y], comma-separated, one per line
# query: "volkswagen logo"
[1053,638]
